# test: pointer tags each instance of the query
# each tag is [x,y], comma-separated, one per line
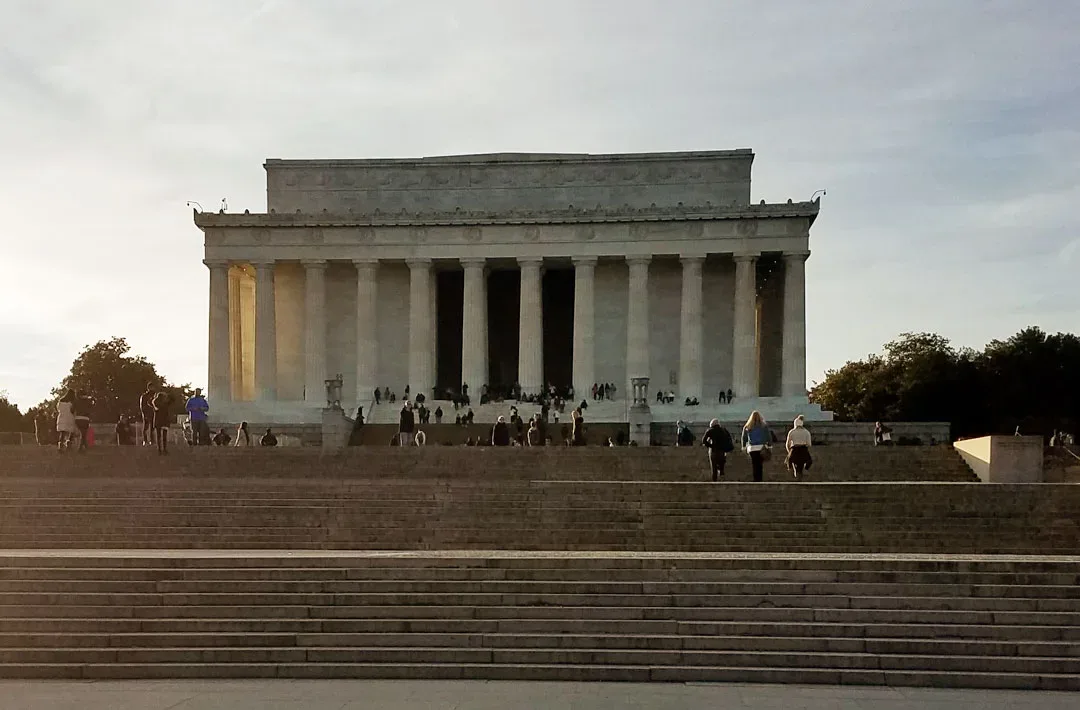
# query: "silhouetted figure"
[718,442]
[500,433]
[268,439]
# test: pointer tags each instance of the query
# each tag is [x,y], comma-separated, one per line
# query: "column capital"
[749,256]
[418,263]
[472,262]
[692,259]
[262,263]
[313,263]
[584,260]
[796,255]
[639,260]
[536,261]
[217,263]
[365,263]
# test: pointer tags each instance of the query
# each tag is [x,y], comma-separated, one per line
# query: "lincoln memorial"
[509,269]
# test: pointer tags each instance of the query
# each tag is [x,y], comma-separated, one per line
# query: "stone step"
[548,656]
[538,672]
[69,642]
[843,615]
[1016,634]
[676,590]
[883,579]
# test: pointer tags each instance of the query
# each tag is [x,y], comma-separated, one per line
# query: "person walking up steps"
[798,448]
[65,421]
[718,442]
[755,440]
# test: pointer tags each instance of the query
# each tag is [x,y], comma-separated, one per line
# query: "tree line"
[107,374]
[1031,381]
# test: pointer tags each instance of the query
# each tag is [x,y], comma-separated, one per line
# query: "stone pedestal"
[336,428]
[640,416]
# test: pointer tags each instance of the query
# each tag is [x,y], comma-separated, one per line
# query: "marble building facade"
[528,268]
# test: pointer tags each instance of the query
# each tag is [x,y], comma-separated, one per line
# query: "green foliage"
[1030,380]
[113,379]
[11,419]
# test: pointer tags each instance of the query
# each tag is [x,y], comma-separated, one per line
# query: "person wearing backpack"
[718,441]
[683,435]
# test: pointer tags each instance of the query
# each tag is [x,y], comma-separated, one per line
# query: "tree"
[11,419]
[112,379]
[1030,379]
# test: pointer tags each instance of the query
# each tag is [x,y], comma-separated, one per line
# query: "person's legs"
[162,436]
[755,463]
[84,429]
[716,463]
[205,427]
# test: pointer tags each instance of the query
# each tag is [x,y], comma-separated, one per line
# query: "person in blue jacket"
[755,440]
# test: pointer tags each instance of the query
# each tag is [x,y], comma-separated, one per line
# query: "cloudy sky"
[946,134]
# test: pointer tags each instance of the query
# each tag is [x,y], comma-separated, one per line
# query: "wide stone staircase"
[572,564]
[1012,623]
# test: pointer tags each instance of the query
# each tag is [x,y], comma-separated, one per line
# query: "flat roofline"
[513,158]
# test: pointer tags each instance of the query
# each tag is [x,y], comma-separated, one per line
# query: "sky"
[947,136]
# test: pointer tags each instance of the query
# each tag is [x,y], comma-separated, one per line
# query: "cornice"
[570,215]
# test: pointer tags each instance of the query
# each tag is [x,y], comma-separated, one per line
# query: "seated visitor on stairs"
[268,439]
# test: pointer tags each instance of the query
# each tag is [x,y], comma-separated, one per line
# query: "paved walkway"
[484,695]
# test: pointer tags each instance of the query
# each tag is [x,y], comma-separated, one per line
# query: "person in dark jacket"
[406,425]
[718,442]
[500,433]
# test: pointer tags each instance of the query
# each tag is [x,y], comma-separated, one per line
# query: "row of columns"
[531,326]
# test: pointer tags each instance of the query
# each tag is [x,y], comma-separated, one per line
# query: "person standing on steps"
[146,411]
[406,425]
[718,442]
[83,406]
[798,448]
[683,435]
[755,440]
[577,430]
[161,421]
[500,433]
[243,435]
[197,407]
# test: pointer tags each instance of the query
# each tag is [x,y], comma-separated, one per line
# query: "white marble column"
[367,337]
[219,361]
[315,374]
[421,327]
[690,383]
[530,327]
[637,320]
[474,326]
[744,374]
[236,337]
[584,325]
[793,371]
[265,332]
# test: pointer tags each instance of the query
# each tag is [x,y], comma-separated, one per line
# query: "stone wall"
[501,182]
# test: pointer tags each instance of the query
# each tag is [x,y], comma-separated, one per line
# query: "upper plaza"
[509,268]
